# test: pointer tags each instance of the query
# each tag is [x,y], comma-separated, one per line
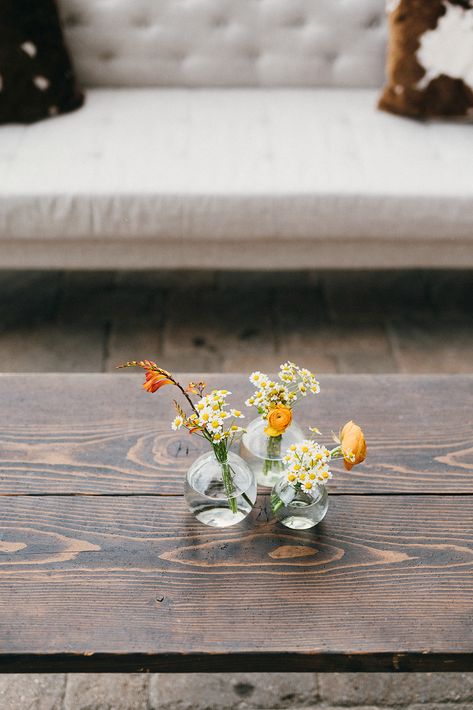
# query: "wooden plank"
[97,433]
[104,583]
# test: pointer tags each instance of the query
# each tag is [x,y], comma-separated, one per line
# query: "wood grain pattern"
[381,581]
[103,569]
[101,434]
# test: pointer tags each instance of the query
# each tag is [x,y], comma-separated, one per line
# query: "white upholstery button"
[73,19]
[374,22]
[296,21]
[106,55]
[253,55]
[220,21]
[179,56]
[141,21]
[331,57]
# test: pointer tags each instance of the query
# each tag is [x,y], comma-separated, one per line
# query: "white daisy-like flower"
[305,373]
[307,465]
[177,423]
[234,429]
[255,378]
[204,417]
[286,376]
[215,424]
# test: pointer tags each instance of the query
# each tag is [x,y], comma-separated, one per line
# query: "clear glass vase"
[296,509]
[206,490]
[264,453]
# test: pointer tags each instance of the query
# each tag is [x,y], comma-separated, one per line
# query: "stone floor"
[418,322]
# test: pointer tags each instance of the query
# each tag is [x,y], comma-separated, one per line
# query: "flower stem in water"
[273,453]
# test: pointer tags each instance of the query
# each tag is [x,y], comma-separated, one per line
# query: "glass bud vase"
[206,493]
[264,453]
[296,509]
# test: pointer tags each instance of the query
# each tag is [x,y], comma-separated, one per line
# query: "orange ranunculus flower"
[279,419]
[155,380]
[353,445]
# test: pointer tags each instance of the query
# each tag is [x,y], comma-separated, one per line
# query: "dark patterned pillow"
[36,77]
[430,58]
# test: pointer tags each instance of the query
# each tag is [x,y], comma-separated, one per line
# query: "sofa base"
[332,254]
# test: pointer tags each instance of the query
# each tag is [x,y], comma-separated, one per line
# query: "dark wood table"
[103,569]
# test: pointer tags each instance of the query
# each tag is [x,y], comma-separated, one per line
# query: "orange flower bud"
[279,418]
[353,445]
[155,380]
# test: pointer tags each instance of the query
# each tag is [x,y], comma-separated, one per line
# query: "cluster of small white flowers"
[294,382]
[304,379]
[213,414]
[307,464]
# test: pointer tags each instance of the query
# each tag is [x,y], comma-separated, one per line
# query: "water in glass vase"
[296,509]
[206,494]
[264,453]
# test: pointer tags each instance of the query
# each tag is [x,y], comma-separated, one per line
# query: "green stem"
[221,455]
[273,453]
[276,502]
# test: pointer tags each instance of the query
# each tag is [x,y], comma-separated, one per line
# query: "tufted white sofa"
[233,133]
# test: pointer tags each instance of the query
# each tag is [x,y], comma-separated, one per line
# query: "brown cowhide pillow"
[430,58]
[36,77]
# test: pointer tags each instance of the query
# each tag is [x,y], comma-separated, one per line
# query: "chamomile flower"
[293,382]
[177,423]
[255,378]
[307,466]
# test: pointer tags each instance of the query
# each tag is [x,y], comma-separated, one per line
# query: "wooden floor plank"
[102,434]
[381,581]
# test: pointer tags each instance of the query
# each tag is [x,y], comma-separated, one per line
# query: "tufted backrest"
[226,42]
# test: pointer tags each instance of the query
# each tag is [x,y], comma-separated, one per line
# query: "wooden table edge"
[382,662]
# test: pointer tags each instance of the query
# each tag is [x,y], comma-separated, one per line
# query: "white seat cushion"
[260,177]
